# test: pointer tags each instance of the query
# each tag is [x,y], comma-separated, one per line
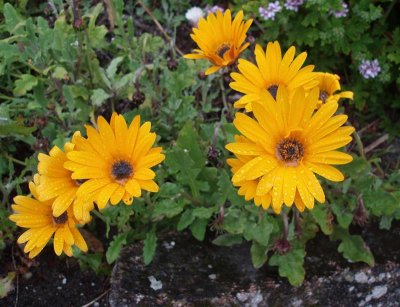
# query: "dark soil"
[50,281]
[186,272]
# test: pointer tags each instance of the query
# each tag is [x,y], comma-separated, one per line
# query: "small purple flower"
[213,9]
[341,13]
[270,11]
[369,69]
[293,5]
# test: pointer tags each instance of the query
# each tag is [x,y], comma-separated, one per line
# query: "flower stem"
[285,225]
[297,222]
[360,145]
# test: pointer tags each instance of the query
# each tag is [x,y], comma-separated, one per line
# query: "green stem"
[360,145]
[390,8]
[99,215]
[222,87]
[15,160]
[191,198]
[285,224]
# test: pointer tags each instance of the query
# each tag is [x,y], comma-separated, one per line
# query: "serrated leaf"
[258,254]
[227,239]
[189,140]
[99,96]
[203,213]
[25,84]
[198,228]
[380,202]
[290,265]
[353,247]
[185,220]
[13,19]
[115,247]
[168,208]
[6,284]
[15,129]
[60,73]
[113,66]
[259,232]
[323,218]
[343,215]
[149,247]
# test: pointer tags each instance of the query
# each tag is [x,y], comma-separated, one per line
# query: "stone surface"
[196,273]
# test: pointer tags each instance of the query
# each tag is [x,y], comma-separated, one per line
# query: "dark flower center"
[121,170]
[273,89]
[323,95]
[290,151]
[60,220]
[223,49]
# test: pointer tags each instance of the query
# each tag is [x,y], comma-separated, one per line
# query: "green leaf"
[168,208]
[259,232]
[234,221]
[258,254]
[6,284]
[290,265]
[115,247]
[186,219]
[323,218]
[227,239]
[343,214]
[353,247]
[385,222]
[149,247]
[99,96]
[380,202]
[14,21]
[25,84]
[198,228]
[112,68]
[189,140]
[15,129]
[203,213]
[60,73]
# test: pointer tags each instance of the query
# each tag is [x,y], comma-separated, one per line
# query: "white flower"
[194,14]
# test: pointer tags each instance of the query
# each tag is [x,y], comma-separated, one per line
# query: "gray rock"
[379,291]
[361,278]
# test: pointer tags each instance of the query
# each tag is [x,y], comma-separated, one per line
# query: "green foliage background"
[55,77]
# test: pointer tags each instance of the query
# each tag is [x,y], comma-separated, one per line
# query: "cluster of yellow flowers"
[293,131]
[291,134]
[111,164]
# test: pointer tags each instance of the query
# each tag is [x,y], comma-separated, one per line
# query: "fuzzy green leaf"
[290,265]
[185,220]
[6,284]
[99,96]
[115,247]
[198,228]
[258,254]
[168,208]
[149,247]
[25,84]
[352,247]
[323,218]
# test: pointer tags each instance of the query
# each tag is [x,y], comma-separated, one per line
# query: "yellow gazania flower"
[220,39]
[287,143]
[115,160]
[328,84]
[247,188]
[271,72]
[38,217]
[56,183]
